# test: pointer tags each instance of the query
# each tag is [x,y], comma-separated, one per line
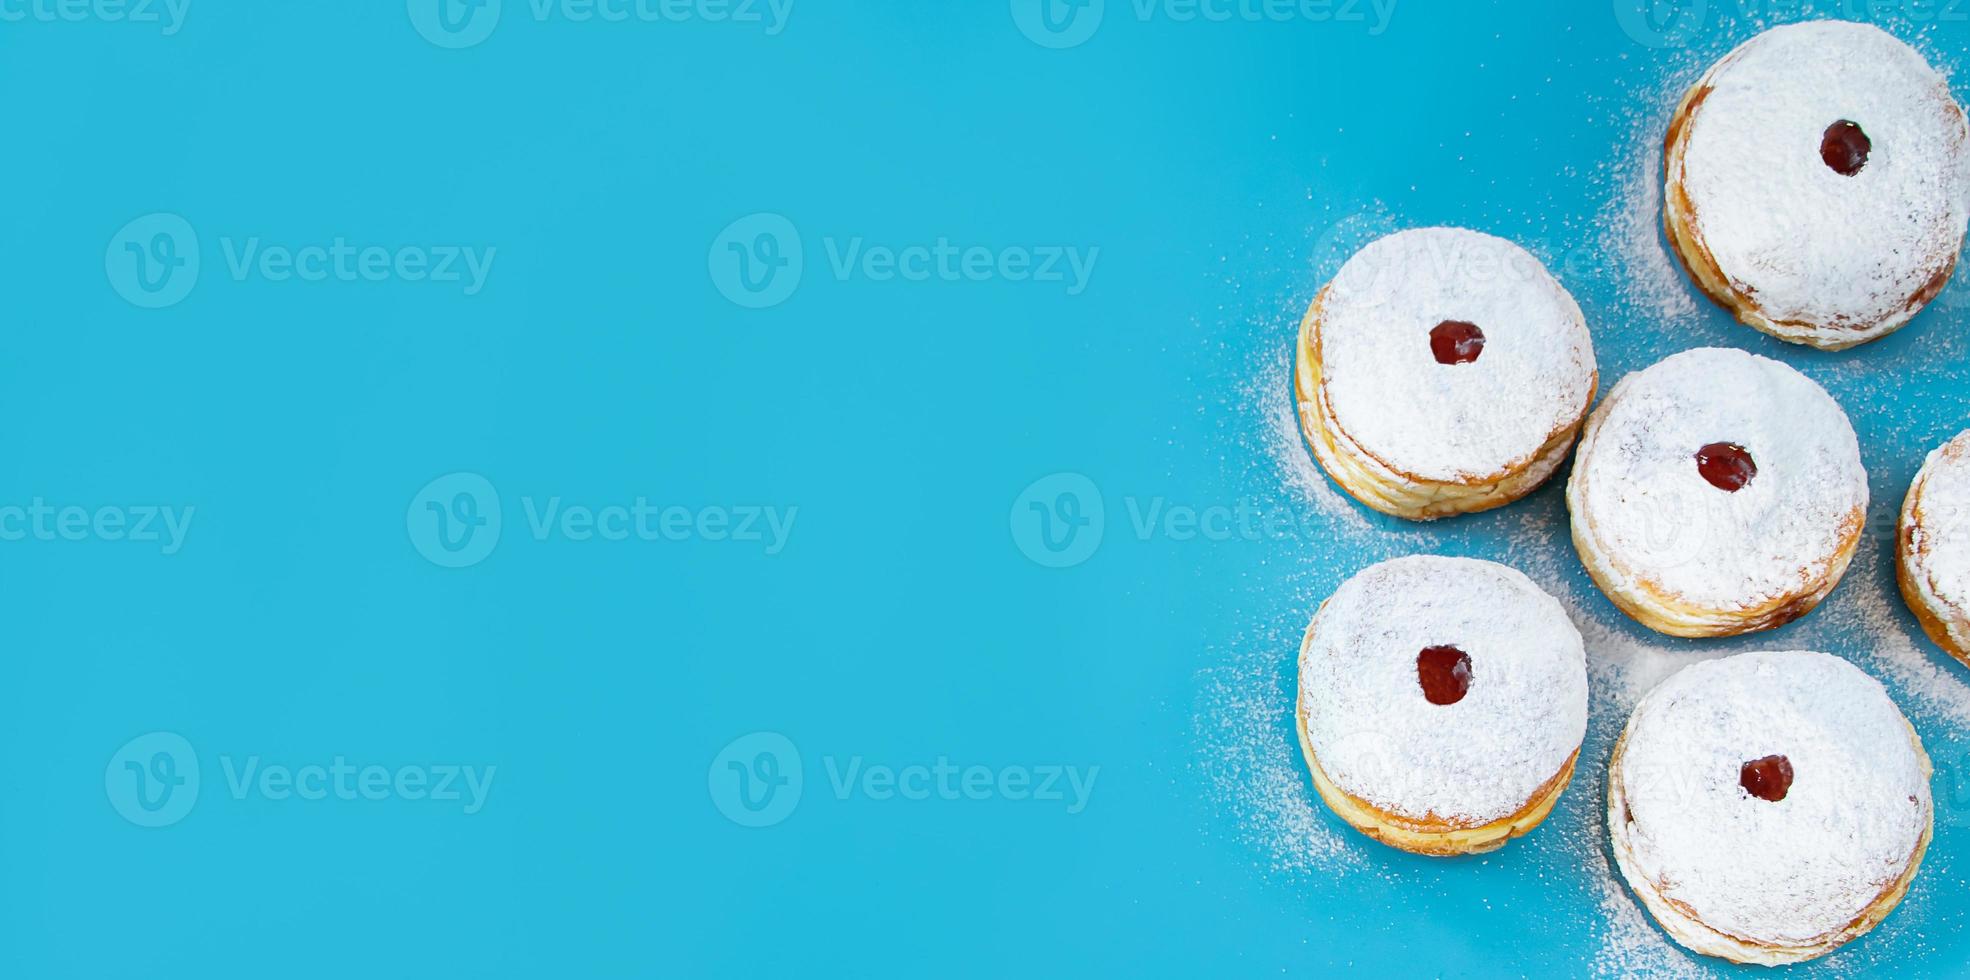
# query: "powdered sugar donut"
[1933,547]
[1717,493]
[1442,371]
[1442,703]
[1768,807]
[1818,183]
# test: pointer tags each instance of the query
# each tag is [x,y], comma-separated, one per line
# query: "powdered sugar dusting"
[1645,507]
[1643,310]
[1479,759]
[1896,649]
[1647,275]
[1942,539]
[1849,821]
[1252,760]
[1270,395]
[1460,421]
[1255,761]
[1813,245]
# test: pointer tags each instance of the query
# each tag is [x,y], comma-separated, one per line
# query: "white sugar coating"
[1479,759]
[1459,421]
[1244,726]
[1809,244]
[1785,872]
[1943,539]
[1260,802]
[1649,509]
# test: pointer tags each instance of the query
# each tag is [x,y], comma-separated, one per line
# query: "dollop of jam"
[1844,148]
[1768,778]
[1727,465]
[1456,342]
[1445,673]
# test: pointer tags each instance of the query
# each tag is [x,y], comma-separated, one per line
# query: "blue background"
[1221,169]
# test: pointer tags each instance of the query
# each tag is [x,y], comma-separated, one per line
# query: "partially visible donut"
[1717,493]
[1442,371]
[1442,703]
[1933,547]
[1769,807]
[1817,183]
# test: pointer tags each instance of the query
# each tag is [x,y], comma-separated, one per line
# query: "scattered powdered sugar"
[1269,394]
[1811,244]
[1458,421]
[1647,276]
[1252,761]
[1644,310]
[1470,762]
[1259,766]
[1651,513]
[1868,605]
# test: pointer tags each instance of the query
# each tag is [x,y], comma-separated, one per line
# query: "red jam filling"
[1768,778]
[1456,342]
[1727,465]
[1445,673]
[1844,148]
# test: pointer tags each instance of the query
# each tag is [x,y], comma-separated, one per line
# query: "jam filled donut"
[1717,493]
[1442,703]
[1768,807]
[1817,181]
[1933,549]
[1442,371]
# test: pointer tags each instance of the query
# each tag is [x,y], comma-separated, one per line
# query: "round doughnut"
[1768,807]
[1933,547]
[1717,493]
[1442,371]
[1817,183]
[1442,702]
